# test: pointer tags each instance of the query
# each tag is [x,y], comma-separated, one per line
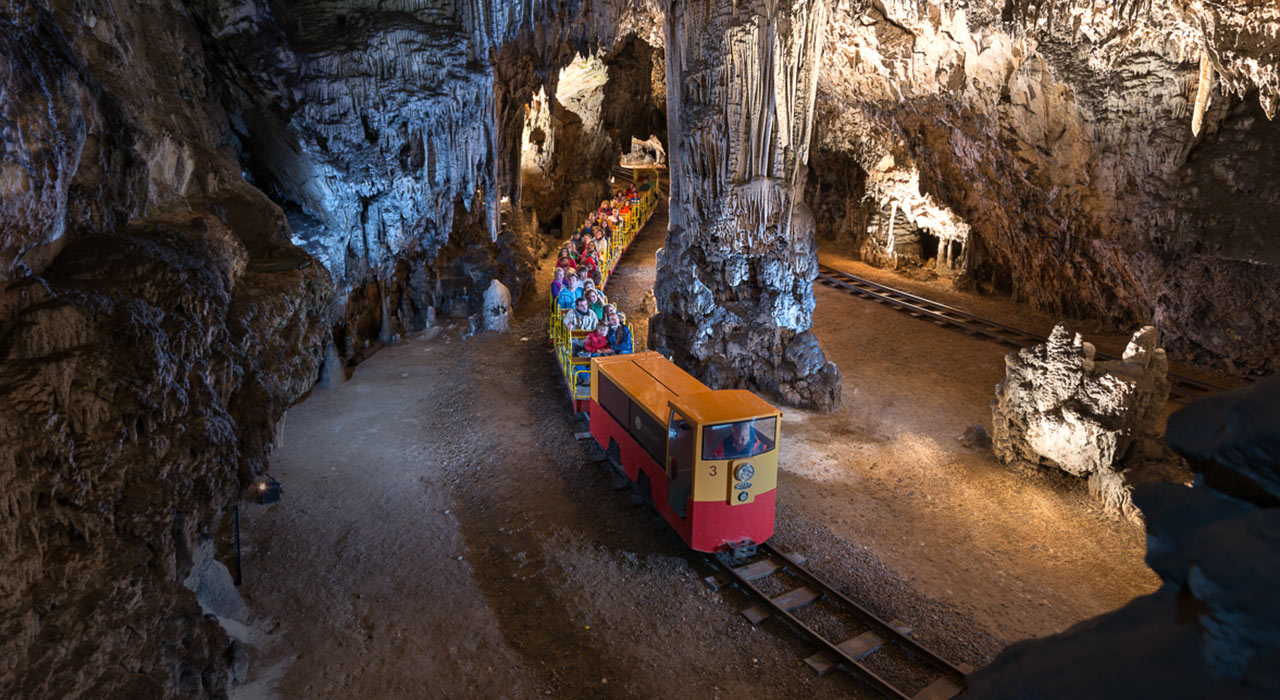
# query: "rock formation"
[1213,630]
[143,373]
[1057,407]
[497,307]
[1049,147]
[735,280]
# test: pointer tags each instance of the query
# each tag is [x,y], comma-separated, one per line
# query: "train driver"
[743,440]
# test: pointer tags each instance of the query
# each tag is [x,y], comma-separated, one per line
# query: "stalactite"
[1204,87]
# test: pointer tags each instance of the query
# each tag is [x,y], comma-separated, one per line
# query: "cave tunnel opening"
[929,245]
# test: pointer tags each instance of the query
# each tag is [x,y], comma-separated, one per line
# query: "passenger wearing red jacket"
[597,341]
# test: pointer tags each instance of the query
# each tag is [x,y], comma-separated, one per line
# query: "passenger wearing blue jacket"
[569,293]
[619,335]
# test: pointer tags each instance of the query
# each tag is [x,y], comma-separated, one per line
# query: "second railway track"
[1183,387]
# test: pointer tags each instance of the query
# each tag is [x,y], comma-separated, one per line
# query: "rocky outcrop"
[497,308]
[735,280]
[1213,629]
[1060,408]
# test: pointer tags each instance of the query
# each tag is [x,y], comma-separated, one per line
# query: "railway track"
[848,636]
[1183,387]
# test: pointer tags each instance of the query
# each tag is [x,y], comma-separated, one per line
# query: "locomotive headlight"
[743,496]
[744,472]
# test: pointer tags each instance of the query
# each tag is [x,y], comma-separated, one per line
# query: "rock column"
[735,280]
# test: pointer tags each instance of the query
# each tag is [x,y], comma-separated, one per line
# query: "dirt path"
[443,535]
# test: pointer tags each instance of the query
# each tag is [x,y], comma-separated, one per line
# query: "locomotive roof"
[655,382]
[724,406]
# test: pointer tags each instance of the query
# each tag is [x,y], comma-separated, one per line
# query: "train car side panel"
[606,430]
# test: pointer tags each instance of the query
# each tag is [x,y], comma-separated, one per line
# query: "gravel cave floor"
[442,533]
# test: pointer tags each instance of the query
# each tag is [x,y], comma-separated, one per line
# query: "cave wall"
[1055,142]
[202,201]
[155,322]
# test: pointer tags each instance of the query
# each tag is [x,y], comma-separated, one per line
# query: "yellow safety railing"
[562,338]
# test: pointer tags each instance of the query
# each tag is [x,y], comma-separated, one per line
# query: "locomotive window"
[651,435]
[746,438]
[612,399]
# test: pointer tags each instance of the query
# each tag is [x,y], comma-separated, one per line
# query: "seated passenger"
[557,282]
[599,241]
[570,293]
[597,342]
[567,258]
[588,284]
[595,303]
[580,318]
[590,265]
[743,440]
[618,334]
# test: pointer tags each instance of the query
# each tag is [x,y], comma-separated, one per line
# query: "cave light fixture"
[267,489]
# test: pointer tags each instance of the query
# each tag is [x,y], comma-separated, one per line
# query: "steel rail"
[846,660]
[1183,387]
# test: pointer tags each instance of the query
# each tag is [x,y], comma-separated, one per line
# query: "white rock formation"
[497,307]
[1057,407]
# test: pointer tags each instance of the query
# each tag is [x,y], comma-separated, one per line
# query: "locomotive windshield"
[746,438]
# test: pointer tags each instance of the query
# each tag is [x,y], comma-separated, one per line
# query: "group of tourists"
[579,272]
[586,252]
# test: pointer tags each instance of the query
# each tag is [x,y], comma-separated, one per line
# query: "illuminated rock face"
[735,280]
[1057,407]
[1213,629]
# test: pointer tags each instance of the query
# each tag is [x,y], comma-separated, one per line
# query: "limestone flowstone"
[1057,407]
[735,279]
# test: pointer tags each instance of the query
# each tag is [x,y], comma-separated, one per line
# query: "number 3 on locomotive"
[713,469]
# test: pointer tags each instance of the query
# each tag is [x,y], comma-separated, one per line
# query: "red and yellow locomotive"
[707,459]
